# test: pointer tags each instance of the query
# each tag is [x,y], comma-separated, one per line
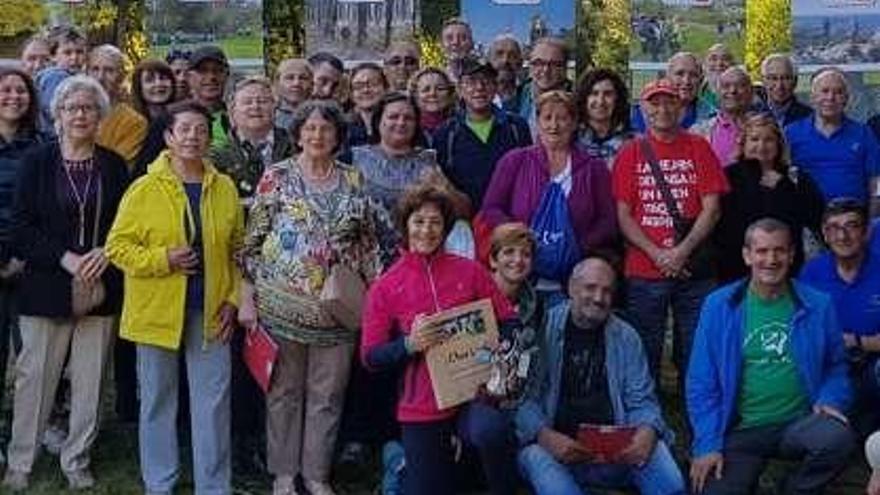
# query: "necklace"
[316,179]
[80,199]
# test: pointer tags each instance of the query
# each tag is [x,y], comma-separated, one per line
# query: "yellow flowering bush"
[768,24]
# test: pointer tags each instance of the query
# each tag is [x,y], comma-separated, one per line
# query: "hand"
[247,308]
[12,268]
[640,448]
[226,321]
[874,484]
[871,343]
[562,447]
[671,262]
[832,412]
[92,265]
[71,261]
[183,259]
[849,340]
[702,467]
[424,335]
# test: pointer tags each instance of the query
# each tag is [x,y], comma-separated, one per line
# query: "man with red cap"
[667,185]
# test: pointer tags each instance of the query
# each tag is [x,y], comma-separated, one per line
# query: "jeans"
[208,372]
[430,465]
[647,302]
[659,476]
[822,444]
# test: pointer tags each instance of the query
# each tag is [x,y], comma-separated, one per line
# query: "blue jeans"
[659,476]
[647,305]
[208,370]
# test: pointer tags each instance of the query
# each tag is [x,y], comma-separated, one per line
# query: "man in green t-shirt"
[767,377]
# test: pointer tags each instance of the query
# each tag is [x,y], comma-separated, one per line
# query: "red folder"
[605,442]
[259,354]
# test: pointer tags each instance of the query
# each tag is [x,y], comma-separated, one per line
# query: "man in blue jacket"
[593,370]
[767,377]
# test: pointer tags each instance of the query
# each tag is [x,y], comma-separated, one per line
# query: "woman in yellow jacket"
[175,236]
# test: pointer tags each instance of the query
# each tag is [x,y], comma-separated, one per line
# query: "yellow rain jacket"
[151,219]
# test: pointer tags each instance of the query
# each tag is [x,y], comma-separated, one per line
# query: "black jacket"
[42,230]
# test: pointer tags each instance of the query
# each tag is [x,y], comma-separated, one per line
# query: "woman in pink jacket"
[424,281]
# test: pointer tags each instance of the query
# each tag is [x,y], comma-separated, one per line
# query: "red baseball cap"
[658,87]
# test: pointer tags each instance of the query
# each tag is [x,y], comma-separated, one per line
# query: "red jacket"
[418,284]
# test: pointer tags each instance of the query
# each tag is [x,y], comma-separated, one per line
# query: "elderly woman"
[426,280]
[434,92]
[65,201]
[152,90]
[123,130]
[174,238]
[368,85]
[558,181]
[764,184]
[309,215]
[602,101]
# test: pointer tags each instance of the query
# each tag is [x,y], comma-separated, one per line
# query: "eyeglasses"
[408,61]
[848,228]
[73,109]
[256,101]
[541,64]
[362,86]
[477,82]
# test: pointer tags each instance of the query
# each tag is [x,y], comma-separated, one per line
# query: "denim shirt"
[630,385]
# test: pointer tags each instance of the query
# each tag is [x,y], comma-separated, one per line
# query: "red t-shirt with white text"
[692,171]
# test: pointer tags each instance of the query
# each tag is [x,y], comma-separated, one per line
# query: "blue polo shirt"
[857,303]
[842,164]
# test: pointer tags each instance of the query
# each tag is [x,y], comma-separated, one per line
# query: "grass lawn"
[234,47]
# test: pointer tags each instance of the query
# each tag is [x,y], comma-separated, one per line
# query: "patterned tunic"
[295,234]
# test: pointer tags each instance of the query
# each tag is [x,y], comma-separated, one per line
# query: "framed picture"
[456,373]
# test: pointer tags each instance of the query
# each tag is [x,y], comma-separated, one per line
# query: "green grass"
[234,47]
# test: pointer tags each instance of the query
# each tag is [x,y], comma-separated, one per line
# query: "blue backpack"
[557,247]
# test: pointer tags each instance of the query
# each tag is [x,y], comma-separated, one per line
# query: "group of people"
[158,227]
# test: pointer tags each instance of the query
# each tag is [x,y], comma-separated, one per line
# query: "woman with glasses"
[65,202]
[368,85]
[763,183]
[434,92]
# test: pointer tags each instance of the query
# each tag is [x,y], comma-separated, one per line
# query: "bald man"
[841,155]
[685,71]
[734,99]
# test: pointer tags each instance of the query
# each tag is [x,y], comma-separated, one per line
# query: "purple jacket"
[519,181]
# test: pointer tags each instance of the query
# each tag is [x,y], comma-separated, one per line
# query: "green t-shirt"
[219,138]
[481,128]
[770,391]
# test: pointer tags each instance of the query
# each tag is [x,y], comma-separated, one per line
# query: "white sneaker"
[318,487]
[284,485]
[81,479]
[15,481]
[53,439]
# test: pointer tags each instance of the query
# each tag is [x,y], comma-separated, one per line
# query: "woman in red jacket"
[424,281]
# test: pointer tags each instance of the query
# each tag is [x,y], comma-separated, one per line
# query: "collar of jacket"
[738,294]
[161,168]
[499,116]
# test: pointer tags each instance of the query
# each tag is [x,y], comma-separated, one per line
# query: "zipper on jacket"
[433,286]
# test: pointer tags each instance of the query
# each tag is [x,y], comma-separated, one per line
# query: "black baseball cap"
[472,66]
[205,53]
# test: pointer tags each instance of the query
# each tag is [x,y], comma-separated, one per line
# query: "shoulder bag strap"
[660,180]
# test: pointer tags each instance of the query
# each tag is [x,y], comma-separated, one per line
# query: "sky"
[489,18]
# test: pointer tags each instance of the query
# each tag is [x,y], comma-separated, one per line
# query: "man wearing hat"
[470,143]
[667,185]
[207,74]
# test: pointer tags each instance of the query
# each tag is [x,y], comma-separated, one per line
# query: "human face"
[846,234]
[506,55]
[477,92]
[662,112]
[433,93]
[547,67]
[718,61]
[601,101]
[401,62]
[252,108]
[684,72]
[366,89]
[156,87]
[424,229]
[769,255]
[326,81]
[179,67]
[317,136]
[457,41]
[513,263]
[206,81]
[735,92]
[14,99]
[189,136]
[556,125]
[592,293]
[295,83]
[107,72]
[398,125]
[80,116]
[779,82]
[829,95]
[761,144]
[71,55]
[35,57]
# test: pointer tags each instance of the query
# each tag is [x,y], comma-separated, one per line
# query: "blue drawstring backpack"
[557,247]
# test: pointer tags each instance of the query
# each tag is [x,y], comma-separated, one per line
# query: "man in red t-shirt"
[665,263]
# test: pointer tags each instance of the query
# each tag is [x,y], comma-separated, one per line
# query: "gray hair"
[779,57]
[830,71]
[74,84]
[505,37]
[769,225]
[581,268]
[328,110]
[688,55]
[739,71]
[110,52]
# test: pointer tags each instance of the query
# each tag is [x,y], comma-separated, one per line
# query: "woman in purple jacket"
[524,175]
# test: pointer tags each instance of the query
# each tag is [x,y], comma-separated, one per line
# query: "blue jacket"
[630,386]
[469,162]
[11,159]
[713,375]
